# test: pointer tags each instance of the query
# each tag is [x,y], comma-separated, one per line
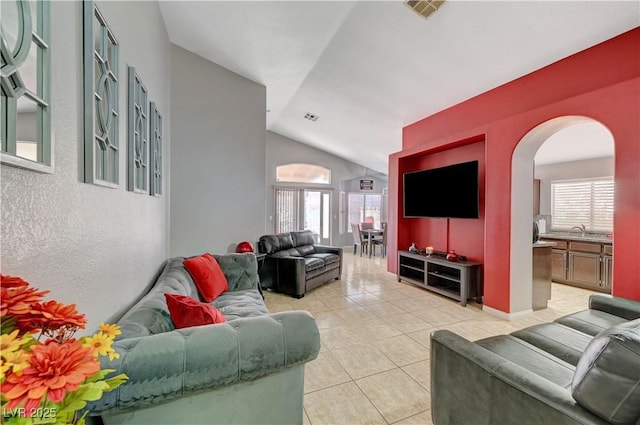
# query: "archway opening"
[522,177]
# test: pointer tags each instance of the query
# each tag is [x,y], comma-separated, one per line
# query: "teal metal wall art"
[25,132]
[101,87]
[138,137]
[155,151]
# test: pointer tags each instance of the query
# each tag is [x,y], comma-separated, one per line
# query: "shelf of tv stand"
[458,280]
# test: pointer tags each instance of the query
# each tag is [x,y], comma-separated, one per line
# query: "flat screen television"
[444,192]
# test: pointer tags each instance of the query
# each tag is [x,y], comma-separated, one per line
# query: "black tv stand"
[459,280]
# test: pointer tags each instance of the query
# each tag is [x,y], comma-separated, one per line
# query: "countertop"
[543,244]
[577,237]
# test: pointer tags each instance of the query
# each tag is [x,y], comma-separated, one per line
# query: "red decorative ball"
[244,247]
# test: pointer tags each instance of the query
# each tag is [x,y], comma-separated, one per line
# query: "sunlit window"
[303,173]
[582,202]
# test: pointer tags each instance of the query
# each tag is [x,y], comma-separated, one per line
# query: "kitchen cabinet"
[536,197]
[584,268]
[559,264]
[607,272]
[586,264]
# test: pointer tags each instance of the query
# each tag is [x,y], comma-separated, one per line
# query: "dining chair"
[358,240]
[380,240]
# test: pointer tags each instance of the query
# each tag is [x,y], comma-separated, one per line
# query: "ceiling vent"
[424,8]
[311,117]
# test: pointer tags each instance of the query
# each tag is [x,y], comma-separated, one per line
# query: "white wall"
[283,150]
[584,169]
[89,245]
[217,156]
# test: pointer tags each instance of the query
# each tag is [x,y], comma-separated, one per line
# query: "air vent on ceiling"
[311,117]
[424,7]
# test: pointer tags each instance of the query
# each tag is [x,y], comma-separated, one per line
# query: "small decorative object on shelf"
[413,248]
[244,247]
[429,250]
[452,256]
[48,375]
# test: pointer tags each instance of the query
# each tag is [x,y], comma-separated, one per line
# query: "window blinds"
[588,202]
[287,201]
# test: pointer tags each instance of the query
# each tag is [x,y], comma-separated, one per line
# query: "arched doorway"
[522,176]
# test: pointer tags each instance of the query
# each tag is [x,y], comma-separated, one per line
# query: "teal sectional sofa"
[248,370]
[583,368]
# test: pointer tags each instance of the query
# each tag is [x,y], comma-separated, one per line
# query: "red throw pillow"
[207,275]
[186,312]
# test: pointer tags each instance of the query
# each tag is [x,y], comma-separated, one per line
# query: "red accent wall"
[602,83]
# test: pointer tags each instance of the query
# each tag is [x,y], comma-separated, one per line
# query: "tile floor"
[373,367]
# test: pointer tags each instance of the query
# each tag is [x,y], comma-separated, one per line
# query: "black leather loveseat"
[583,368]
[295,264]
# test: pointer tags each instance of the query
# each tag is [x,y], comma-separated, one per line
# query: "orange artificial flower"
[17,299]
[59,321]
[12,281]
[54,369]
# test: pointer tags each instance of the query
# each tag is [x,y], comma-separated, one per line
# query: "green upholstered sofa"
[583,368]
[248,370]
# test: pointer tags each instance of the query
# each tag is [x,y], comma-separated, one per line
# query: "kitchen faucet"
[582,229]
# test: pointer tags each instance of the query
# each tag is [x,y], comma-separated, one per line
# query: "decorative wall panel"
[25,79]
[155,151]
[138,136]
[101,116]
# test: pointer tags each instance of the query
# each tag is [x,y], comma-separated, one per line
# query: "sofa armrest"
[174,364]
[617,306]
[288,273]
[470,384]
[328,249]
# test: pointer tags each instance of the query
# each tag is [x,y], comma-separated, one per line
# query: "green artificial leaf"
[116,381]
[99,375]
[8,325]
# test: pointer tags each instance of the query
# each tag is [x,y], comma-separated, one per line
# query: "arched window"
[303,173]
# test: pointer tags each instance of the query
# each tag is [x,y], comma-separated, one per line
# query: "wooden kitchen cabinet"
[559,264]
[584,268]
[582,263]
[607,272]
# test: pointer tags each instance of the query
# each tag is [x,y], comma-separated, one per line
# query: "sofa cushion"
[607,378]
[241,304]
[207,275]
[290,252]
[241,270]
[312,263]
[270,244]
[328,258]
[559,340]
[590,322]
[187,312]
[531,358]
[305,250]
[302,237]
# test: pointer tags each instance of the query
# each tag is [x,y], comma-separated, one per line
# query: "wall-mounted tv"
[444,192]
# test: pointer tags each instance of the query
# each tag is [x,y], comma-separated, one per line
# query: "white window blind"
[588,202]
[287,202]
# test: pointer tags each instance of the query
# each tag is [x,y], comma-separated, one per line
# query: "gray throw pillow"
[607,377]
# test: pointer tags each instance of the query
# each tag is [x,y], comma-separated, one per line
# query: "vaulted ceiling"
[366,69]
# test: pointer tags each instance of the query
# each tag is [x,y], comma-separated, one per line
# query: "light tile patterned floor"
[373,367]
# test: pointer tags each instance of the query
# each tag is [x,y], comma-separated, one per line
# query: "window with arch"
[303,173]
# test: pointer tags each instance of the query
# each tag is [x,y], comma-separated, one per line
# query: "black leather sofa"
[294,264]
[583,368]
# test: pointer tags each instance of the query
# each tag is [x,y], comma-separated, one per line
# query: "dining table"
[371,233]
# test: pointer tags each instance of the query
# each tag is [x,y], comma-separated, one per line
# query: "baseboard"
[506,316]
